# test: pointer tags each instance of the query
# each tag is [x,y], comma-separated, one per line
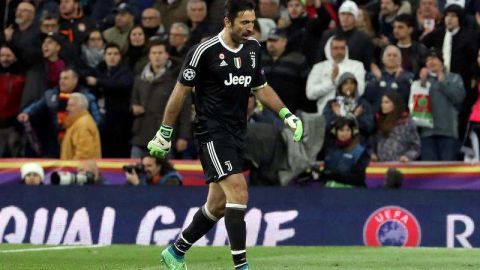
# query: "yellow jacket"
[82,139]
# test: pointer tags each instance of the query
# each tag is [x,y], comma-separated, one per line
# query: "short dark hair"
[233,7]
[163,162]
[406,19]
[112,45]
[72,69]
[339,38]
[157,42]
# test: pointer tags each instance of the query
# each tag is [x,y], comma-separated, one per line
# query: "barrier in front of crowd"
[453,175]
[74,215]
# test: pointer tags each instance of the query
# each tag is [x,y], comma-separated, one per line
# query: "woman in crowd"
[137,52]
[396,138]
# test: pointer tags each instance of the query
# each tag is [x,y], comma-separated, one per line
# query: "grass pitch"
[130,257]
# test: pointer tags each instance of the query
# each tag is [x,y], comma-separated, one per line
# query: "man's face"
[123,20]
[49,25]
[68,81]
[177,37]
[451,21]
[268,8]
[74,106]
[7,57]
[387,7]
[95,40]
[151,18]
[32,179]
[25,13]
[392,58]
[242,26]
[50,48]
[428,8]
[68,7]
[401,30]
[158,56]
[295,9]
[197,12]
[112,57]
[276,47]
[347,21]
[151,167]
[339,50]
[433,64]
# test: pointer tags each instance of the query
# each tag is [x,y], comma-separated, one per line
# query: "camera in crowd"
[347,105]
[64,178]
[138,168]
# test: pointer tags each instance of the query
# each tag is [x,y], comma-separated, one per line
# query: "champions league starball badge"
[392,226]
[189,74]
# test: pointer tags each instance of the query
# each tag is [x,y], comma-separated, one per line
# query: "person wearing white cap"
[32,174]
[359,43]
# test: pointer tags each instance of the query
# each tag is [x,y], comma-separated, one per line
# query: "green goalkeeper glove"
[293,122]
[160,145]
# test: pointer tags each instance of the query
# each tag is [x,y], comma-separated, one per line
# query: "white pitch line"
[49,248]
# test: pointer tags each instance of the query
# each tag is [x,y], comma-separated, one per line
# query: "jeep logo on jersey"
[245,80]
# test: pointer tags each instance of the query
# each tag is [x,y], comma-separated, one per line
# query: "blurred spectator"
[363,22]
[137,53]
[413,52]
[456,42]
[49,23]
[322,80]
[114,80]
[123,23]
[446,93]
[82,139]
[172,11]
[359,43]
[389,9]
[178,39]
[151,91]
[348,102]
[346,161]
[93,49]
[391,77]
[54,64]
[269,9]
[458,46]
[396,138]
[89,169]
[12,83]
[428,17]
[213,16]
[393,179]
[32,174]
[199,27]
[24,34]
[296,25]
[154,171]
[73,22]
[48,114]
[152,24]
[471,147]
[286,72]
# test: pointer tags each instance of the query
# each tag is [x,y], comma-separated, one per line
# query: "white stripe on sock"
[236,205]
[179,248]
[242,264]
[208,214]
[181,236]
[236,252]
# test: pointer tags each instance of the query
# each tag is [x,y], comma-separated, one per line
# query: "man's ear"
[227,22]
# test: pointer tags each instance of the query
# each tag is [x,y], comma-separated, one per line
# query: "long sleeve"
[453,88]
[319,83]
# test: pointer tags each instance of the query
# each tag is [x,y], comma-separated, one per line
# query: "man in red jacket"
[12,81]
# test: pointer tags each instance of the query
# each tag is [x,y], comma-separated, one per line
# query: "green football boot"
[172,260]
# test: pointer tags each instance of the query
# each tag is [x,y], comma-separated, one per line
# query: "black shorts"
[219,159]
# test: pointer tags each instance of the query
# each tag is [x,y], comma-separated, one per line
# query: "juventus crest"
[252,56]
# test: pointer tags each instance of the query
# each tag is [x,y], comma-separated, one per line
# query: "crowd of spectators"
[85,79]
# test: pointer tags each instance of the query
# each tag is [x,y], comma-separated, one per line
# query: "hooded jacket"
[320,86]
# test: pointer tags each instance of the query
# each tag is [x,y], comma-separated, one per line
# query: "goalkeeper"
[224,71]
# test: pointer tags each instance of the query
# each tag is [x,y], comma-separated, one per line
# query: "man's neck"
[405,42]
[227,39]
[53,58]
[157,69]
[24,26]
[391,70]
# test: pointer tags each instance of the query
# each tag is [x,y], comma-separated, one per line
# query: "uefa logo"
[392,226]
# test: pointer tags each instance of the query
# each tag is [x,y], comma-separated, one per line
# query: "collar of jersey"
[226,46]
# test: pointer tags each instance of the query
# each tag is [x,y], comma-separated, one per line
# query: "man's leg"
[205,218]
[235,189]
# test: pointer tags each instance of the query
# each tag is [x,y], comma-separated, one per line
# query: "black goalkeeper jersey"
[223,79]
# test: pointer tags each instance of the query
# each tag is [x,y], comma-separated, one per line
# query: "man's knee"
[217,208]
